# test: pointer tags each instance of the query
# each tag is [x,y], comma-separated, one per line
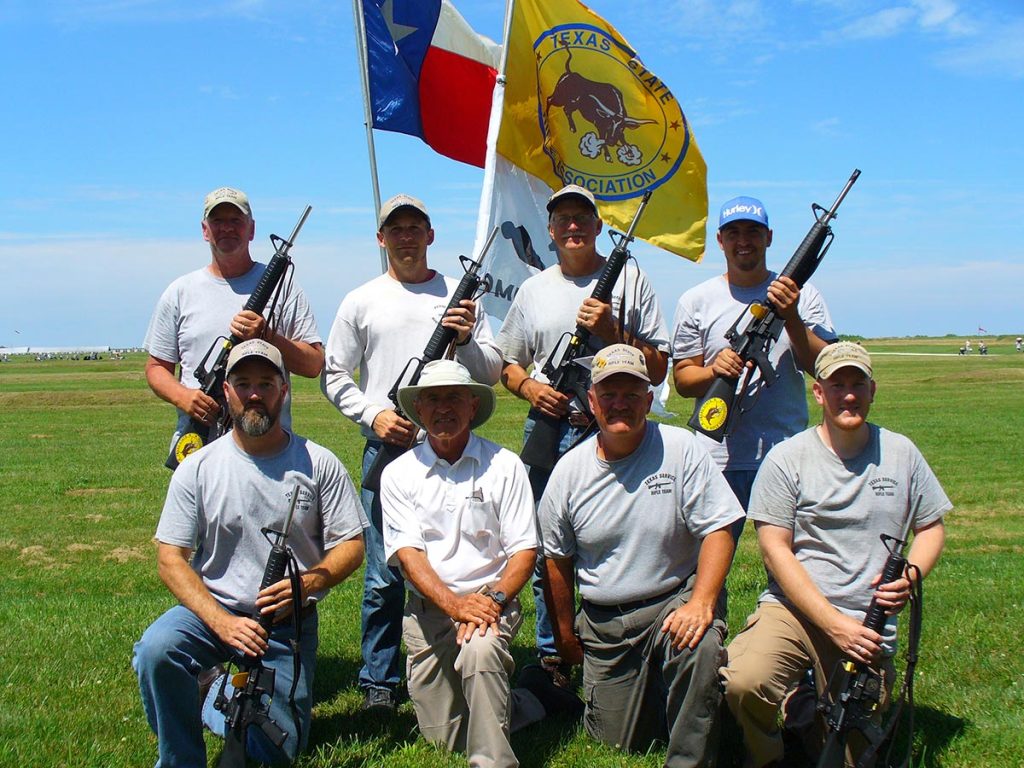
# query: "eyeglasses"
[579,219]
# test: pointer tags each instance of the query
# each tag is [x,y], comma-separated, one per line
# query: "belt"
[631,605]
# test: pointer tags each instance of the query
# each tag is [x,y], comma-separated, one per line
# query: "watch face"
[499,598]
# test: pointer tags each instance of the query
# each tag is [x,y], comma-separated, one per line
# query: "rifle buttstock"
[712,414]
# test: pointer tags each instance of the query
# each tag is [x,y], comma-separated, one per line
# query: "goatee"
[255,422]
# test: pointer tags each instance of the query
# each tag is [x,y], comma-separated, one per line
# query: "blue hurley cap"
[743,209]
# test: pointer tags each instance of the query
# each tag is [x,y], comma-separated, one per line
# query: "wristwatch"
[498,597]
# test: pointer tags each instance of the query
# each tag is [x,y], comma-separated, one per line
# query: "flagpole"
[364,76]
[484,224]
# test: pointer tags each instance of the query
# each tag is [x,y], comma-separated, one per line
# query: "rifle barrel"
[831,213]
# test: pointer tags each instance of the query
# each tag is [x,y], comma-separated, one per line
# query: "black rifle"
[254,681]
[211,380]
[567,375]
[714,414]
[437,347]
[856,691]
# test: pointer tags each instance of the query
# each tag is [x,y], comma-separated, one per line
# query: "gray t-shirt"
[703,316]
[634,526]
[837,510]
[545,308]
[197,308]
[221,497]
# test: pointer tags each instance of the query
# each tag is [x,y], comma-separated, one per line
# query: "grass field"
[82,446]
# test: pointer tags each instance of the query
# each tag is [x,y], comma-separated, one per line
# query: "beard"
[254,422]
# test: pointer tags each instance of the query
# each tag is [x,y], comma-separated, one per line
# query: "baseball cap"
[446,373]
[227,195]
[743,209]
[839,355]
[255,348]
[618,358]
[572,190]
[400,201]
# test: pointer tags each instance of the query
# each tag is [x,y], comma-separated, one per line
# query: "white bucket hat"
[447,373]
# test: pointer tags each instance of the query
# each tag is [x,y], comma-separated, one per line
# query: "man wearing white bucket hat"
[459,521]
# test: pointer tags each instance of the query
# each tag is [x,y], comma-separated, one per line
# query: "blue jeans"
[383,597]
[741,481]
[168,659]
[568,435]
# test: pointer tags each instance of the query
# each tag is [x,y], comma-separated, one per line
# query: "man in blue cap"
[701,351]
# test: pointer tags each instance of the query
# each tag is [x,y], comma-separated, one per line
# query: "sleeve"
[342,356]
[179,521]
[298,323]
[651,325]
[773,498]
[162,335]
[687,340]
[517,514]
[928,500]
[342,514]
[557,536]
[815,314]
[481,355]
[708,503]
[398,514]
[512,341]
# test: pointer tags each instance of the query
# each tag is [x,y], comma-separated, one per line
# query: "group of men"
[637,518]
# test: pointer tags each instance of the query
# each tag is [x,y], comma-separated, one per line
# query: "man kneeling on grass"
[459,521]
[212,556]
[820,502]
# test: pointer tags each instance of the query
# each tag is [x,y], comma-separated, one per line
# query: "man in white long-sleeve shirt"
[379,327]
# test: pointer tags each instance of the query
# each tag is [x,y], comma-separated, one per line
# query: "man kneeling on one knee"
[641,513]
[820,501]
[459,521]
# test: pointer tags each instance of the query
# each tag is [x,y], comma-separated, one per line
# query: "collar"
[472,452]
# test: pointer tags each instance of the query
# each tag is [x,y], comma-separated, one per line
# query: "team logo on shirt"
[884,486]
[660,484]
[304,502]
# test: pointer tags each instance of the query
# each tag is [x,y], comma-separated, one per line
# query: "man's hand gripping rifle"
[567,375]
[211,380]
[856,691]
[714,414]
[441,344]
[254,681]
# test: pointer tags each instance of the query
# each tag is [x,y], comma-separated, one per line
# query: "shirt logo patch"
[660,484]
[476,495]
[884,486]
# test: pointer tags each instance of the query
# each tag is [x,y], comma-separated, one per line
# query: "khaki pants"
[461,693]
[766,660]
[639,689]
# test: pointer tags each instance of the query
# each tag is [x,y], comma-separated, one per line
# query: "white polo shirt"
[469,517]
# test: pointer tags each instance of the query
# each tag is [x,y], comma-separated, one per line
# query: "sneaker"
[380,701]
[556,699]
[558,671]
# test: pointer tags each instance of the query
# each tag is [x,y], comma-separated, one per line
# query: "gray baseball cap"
[397,203]
[236,197]
[255,348]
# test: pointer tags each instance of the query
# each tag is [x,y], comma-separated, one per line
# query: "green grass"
[82,446]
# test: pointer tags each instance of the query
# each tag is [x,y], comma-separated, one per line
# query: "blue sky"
[121,114]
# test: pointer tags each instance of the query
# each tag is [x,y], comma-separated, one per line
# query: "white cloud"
[885,23]
[996,52]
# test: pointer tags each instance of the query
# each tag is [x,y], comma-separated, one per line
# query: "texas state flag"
[430,75]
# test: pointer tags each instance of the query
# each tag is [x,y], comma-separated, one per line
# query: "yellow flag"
[581,108]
